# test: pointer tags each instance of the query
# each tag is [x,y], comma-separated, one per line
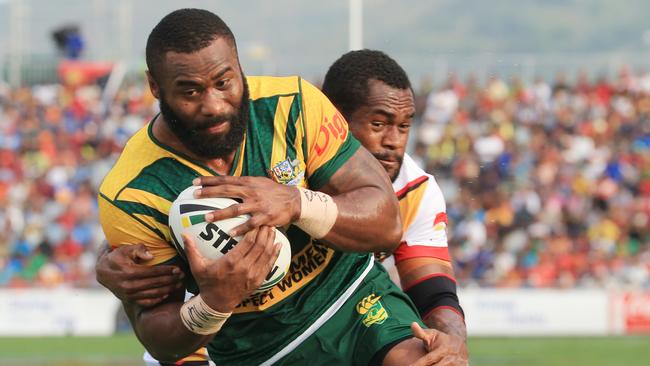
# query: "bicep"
[359,171]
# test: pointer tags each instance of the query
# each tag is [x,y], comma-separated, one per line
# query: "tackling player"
[374,95]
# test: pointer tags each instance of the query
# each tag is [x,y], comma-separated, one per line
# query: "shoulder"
[140,144]
[411,178]
[418,191]
[270,86]
[145,166]
[261,87]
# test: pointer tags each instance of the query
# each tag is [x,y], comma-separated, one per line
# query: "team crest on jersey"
[287,172]
[372,310]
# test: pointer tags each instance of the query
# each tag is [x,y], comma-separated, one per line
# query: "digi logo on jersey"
[334,129]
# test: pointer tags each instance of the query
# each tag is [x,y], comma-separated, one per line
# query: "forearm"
[365,209]
[430,283]
[162,333]
[101,253]
[368,216]
[447,321]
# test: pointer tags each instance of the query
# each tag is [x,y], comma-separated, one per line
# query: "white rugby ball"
[187,215]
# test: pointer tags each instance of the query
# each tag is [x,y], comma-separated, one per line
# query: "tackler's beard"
[195,136]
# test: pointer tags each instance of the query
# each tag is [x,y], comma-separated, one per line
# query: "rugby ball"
[187,215]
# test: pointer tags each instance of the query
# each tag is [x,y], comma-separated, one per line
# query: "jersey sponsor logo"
[330,131]
[305,266]
[212,232]
[287,172]
[372,310]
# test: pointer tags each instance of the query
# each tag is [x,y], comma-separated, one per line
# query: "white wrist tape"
[200,318]
[318,213]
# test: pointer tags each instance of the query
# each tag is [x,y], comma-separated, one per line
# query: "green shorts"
[376,317]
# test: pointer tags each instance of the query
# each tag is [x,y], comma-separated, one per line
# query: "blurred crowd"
[547,184]
[56,145]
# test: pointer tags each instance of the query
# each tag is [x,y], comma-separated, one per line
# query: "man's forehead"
[219,54]
[380,93]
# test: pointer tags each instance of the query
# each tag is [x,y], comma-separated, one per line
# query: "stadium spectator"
[573,181]
[53,153]
[547,186]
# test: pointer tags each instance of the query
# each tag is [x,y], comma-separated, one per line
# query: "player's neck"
[164,134]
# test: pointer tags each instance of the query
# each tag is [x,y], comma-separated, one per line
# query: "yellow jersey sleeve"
[329,141]
[122,228]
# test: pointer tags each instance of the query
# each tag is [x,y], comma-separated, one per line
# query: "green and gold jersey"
[295,136]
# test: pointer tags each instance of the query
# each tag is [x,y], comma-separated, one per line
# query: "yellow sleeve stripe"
[150,221]
[121,228]
[279,150]
[148,198]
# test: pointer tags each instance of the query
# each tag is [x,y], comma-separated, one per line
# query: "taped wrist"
[200,318]
[318,213]
[434,292]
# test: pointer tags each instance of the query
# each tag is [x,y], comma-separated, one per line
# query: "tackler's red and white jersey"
[423,213]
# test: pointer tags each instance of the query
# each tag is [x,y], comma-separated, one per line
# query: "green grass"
[124,350]
[560,351]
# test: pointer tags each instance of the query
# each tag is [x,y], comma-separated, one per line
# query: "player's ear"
[153,85]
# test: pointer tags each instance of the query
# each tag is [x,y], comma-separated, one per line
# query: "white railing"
[502,312]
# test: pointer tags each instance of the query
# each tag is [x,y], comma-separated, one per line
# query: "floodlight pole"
[17,12]
[356,25]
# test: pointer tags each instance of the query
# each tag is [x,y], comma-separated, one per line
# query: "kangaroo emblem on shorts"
[372,309]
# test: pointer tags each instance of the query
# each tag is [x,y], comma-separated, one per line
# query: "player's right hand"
[122,272]
[226,281]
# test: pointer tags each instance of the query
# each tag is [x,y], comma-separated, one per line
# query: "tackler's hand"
[443,349]
[122,272]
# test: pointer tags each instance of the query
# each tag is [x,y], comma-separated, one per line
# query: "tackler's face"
[204,98]
[382,125]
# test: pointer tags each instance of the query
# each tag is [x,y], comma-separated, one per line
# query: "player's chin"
[393,174]
[391,167]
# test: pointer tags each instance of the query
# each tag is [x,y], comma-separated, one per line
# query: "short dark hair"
[184,31]
[346,81]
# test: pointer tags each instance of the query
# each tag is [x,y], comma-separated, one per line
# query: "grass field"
[124,350]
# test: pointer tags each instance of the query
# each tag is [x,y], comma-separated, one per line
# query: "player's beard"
[196,138]
[392,156]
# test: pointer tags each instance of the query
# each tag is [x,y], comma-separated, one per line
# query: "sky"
[428,37]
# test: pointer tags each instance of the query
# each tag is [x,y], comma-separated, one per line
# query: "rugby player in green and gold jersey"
[274,143]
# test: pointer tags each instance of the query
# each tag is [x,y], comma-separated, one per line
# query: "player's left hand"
[443,349]
[267,202]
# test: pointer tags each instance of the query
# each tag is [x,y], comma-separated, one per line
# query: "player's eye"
[222,83]
[191,92]
[377,124]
